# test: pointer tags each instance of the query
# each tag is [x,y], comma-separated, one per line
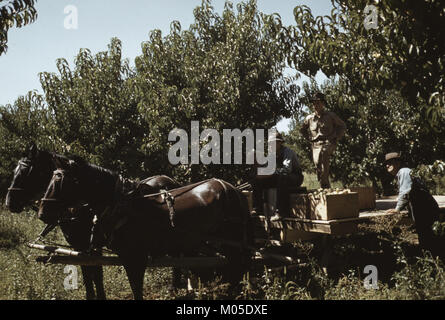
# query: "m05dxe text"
[244,309]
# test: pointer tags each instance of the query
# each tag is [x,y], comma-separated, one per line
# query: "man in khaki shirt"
[323,129]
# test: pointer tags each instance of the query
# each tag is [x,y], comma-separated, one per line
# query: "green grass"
[22,278]
[391,247]
[310,182]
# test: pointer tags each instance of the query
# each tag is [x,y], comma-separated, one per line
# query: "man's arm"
[405,184]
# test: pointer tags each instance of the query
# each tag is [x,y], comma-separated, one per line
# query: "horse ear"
[32,151]
[61,163]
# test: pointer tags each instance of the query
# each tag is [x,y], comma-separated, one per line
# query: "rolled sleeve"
[405,184]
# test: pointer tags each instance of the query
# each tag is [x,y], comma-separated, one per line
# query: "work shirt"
[287,162]
[405,184]
[326,127]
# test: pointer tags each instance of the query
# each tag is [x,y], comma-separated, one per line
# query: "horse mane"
[98,173]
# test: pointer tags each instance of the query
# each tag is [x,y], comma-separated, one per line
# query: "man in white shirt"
[323,129]
[414,196]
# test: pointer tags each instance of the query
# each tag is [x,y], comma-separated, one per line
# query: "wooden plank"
[288,235]
[53,249]
[81,260]
[317,226]
[344,228]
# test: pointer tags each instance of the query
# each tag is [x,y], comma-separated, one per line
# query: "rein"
[16,189]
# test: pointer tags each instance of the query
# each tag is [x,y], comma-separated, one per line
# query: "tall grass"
[409,274]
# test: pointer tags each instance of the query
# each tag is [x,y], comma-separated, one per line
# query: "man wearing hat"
[288,174]
[323,129]
[414,195]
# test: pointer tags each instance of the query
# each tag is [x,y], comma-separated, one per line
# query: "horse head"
[64,191]
[31,176]
[73,184]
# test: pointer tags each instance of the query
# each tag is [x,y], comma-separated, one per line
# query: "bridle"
[28,166]
[51,200]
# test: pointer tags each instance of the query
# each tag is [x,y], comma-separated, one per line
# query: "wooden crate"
[299,206]
[292,235]
[366,197]
[333,206]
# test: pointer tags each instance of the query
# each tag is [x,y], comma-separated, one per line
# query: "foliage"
[433,175]
[225,71]
[94,111]
[405,52]
[24,121]
[16,13]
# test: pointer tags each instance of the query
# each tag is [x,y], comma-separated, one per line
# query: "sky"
[36,47]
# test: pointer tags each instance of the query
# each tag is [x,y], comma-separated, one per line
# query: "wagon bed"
[298,228]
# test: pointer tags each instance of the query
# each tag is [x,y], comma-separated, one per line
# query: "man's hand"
[392,211]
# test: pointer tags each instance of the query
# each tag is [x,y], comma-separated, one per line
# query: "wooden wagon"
[300,226]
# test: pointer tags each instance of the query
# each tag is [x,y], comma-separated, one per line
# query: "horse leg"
[98,279]
[99,282]
[88,276]
[176,279]
[135,269]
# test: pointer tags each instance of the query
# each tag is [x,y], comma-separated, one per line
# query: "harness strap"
[170,201]
[222,184]
[16,189]
[180,190]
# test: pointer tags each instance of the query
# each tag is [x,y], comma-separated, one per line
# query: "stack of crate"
[324,206]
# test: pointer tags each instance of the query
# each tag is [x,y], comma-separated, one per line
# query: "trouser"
[321,154]
[424,211]
[283,183]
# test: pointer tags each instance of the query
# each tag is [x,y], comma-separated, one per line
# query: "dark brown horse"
[210,214]
[31,177]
